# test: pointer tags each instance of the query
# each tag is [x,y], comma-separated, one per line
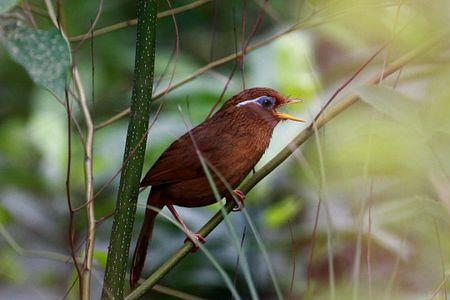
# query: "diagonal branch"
[133,22]
[301,138]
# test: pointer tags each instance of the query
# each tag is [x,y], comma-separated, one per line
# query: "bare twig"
[239,58]
[132,22]
[369,241]
[213,31]
[27,10]
[90,33]
[88,167]
[34,9]
[291,286]
[313,243]
[243,31]
[236,266]
[89,181]
[71,232]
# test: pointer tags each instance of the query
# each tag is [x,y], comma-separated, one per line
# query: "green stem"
[135,146]
[301,138]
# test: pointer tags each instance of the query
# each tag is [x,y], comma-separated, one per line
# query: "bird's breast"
[238,147]
[231,149]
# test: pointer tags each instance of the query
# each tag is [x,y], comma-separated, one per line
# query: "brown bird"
[231,142]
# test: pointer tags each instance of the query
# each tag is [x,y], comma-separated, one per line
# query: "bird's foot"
[238,197]
[196,239]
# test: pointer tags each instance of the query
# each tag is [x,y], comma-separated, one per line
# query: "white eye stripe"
[250,101]
[246,102]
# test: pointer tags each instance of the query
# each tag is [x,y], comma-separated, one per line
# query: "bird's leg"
[195,238]
[237,197]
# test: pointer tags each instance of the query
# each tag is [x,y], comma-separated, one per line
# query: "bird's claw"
[195,239]
[239,200]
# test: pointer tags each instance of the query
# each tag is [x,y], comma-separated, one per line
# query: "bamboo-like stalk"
[301,138]
[136,141]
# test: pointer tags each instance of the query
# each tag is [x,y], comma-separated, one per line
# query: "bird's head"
[263,103]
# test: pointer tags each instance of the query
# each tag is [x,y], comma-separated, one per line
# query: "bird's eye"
[266,102]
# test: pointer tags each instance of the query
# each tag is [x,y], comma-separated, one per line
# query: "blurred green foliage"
[382,172]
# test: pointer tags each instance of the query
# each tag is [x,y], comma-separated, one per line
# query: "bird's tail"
[145,236]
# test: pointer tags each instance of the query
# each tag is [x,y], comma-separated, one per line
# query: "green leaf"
[6,5]
[100,257]
[280,213]
[391,103]
[44,54]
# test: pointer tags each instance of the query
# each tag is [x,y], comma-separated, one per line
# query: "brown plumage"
[232,141]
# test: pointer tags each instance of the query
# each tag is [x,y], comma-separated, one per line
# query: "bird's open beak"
[284,116]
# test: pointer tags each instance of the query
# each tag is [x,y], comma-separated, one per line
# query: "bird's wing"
[178,163]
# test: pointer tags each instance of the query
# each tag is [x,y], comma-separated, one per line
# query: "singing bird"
[230,142]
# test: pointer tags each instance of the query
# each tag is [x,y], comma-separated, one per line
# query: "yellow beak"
[284,116]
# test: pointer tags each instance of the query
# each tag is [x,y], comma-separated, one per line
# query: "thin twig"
[90,33]
[291,286]
[213,31]
[175,293]
[34,9]
[27,10]
[239,58]
[243,31]
[71,286]
[313,243]
[440,286]
[441,255]
[369,241]
[71,232]
[88,166]
[133,22]
[93,73]
[236,266]
[270,11]
[89,182]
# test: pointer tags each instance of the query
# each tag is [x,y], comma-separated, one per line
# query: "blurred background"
[360,211]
